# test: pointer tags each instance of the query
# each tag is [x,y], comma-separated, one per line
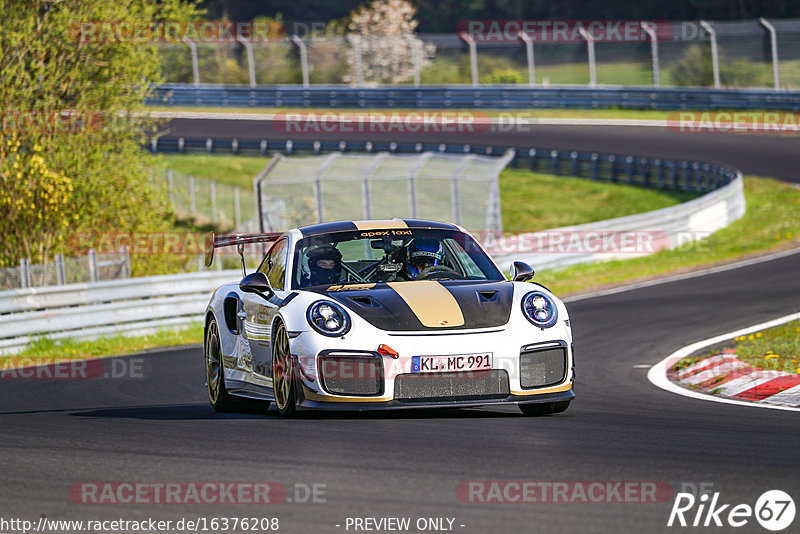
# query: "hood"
[427,305]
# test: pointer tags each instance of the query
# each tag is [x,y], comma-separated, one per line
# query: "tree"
[72,115]
[383,30]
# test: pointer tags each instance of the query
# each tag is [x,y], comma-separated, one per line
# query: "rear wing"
[238,240]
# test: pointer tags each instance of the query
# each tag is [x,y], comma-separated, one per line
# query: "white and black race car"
[384,314]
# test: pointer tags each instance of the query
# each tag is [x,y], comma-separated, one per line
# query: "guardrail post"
[92,257]
[629,169]
[61,275]
[529,55]
[773,41]
[195,63]
[473,56]
[706,177]
[192,199]
[212,186]
[554,161]
[251,64]
[303,58]
[356,42]
[24,273]
[653,52]
[660,173]
[237,208]
[696,176]
[714,56]
[645,171]
[612,168]
[674,171]
[595,166]
[592,63]
[686,175]
[576,166]
[532,155]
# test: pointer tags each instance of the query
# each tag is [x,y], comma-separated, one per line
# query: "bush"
[695,69]
[502,76]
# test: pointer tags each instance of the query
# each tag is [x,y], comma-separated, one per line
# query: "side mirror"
[521,271]
[257,283]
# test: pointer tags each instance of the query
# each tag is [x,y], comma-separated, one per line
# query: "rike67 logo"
[774,510]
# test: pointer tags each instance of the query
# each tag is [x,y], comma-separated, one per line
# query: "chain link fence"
[93,267]
[297,191]
[209,202]
[682,56]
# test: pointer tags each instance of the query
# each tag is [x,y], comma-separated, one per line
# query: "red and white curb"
[731,380]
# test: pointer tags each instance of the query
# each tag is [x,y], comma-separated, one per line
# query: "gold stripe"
[431,302]
[352,287]
[555,389]
[381,224]
[310,395]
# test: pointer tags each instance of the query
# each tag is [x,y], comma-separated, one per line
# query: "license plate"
[446,364]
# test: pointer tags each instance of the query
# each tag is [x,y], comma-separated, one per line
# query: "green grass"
[232,170]
[528,200]
[774,349]
[46,351]
[772,222]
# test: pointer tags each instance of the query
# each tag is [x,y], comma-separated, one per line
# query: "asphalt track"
[753,153]
[159,427]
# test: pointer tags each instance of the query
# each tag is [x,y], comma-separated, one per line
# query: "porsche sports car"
[384,314]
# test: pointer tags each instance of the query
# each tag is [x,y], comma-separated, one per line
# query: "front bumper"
[307,399]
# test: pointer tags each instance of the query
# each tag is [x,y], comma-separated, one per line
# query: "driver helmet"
[423,253]
[324,265]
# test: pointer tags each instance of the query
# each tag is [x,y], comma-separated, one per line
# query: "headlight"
[328,318]
[539,309]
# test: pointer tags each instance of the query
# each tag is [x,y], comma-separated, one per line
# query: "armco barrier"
[454,96]
[83,311]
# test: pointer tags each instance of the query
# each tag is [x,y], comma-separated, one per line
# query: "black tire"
[543,408]
[282,375]
[218,395]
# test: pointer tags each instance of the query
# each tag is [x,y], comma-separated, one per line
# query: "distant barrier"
[455,96]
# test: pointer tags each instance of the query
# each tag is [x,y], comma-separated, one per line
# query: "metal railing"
[456,97]
[85,311]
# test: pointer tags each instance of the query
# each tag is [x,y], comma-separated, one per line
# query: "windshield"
[392,255]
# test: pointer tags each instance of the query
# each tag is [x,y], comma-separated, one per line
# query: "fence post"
[251,65]
[171,189]
[195,63]
[61,275]
[576,166]
[126,261]
[595,167]
[24,273]
[592,63]
[612,168]
[714,56]
[773,41]
[412,175]
[92,257]
[554,160]
[192,199]
[532,155]
[303,58]
[414,57]
[212,186]
[653,52]
[237,208]
[455,199]
[629,169]
[529,55]
[473,56]
[356,42]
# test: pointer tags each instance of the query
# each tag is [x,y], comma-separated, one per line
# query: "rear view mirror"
[521,271]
